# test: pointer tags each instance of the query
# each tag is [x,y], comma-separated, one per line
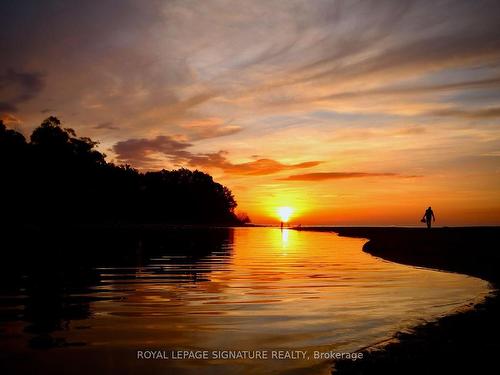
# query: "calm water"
[235,289]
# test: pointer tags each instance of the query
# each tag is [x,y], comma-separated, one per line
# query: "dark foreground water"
[88,307]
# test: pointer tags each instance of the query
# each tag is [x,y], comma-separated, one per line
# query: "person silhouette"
[428,215]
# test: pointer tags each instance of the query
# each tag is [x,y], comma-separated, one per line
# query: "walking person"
[428,215]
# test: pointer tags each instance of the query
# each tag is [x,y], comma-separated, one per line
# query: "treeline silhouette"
[58,178]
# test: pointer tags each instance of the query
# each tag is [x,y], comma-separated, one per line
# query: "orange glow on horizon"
[369,201]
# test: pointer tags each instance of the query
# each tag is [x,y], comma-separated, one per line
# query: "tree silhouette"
[59,177]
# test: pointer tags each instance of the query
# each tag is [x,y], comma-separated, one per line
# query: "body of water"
[221,289]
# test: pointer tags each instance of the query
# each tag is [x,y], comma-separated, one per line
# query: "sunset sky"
[350,112]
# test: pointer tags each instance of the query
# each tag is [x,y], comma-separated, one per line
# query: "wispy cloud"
[10,119]
[210,128]
[107,125]
[254,168]
[320,176]
[18,87]
[483,113]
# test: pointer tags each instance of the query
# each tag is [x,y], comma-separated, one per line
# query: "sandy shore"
[467,342]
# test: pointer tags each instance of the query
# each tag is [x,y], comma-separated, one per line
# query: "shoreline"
[466,341]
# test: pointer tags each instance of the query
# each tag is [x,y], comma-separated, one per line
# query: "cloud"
[210,128]
[140,152]
[254,168]
[424,55]
[491,82]
[320,176]
[412,130]
[178,62]
[10,119]
[484,113]
[18,87]
[108,125]
[7,107]
[492,153]
[150,153]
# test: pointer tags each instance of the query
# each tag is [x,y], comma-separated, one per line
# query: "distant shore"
[465,342]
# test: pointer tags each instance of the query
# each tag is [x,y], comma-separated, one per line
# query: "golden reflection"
[317,291]
[284,237]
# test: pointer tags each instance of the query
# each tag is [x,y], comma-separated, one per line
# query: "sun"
[284,213]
